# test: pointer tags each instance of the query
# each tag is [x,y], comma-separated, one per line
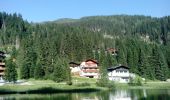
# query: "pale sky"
[48,10]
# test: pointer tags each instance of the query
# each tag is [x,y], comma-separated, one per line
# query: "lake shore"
[47,86]
[79,85]
[148,85]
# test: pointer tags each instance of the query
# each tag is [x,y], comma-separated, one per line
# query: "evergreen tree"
[38,71]
[10,71]
[103,80]
[40,45]
[62,71]
[161,69]
[121,57]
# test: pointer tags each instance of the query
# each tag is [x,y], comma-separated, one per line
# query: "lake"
[124,94]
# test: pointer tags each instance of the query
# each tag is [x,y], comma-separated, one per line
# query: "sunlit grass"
[51,86]
[148,85]
[79,84]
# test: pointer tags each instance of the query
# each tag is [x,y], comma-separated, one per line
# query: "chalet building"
[2,65]
[112,51]
[89,68]
[119,74]
[75,68]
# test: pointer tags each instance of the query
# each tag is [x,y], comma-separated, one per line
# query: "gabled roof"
[1,52]
[73,63]
[117,67]
[95,61]
[2,55]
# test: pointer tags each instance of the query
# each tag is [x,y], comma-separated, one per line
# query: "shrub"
[109,84]
[69,83]
[136,81]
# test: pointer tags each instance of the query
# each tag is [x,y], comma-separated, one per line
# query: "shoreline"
[50,90]
[49,87]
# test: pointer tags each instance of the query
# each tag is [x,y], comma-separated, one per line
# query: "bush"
[136,81]
[101,84]
[109,84]
[69,83]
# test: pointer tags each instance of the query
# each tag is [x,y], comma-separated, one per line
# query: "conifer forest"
[44,50]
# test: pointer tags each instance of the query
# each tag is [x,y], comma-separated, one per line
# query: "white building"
[75,68]
[88,68]
[119,74]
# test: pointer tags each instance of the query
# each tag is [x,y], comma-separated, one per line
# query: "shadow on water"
[47,90]
[126,94]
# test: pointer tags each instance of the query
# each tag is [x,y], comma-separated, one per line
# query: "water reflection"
[130,94]
[119,95]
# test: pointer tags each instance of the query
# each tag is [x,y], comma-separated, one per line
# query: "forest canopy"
[44,49]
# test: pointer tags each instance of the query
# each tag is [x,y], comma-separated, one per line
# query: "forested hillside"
[43,50]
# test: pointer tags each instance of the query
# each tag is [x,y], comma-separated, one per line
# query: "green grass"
[48,86]
[148,85]
[45,88]
[79,85]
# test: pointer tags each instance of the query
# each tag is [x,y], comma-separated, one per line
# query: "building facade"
[2,65]
[119,74]
[89,68]
[75,68]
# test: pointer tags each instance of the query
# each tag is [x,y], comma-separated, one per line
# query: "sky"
[49,10]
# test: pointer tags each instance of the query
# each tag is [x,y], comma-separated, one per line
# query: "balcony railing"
[1,68]
[2,63]
[1,73]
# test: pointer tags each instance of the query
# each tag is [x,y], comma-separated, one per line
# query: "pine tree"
[121,57]
[144,67]
[10,72]
[29,59]
[103,81]
[38,71]
[161,69]
[130,60]
[142,63]
[61,71]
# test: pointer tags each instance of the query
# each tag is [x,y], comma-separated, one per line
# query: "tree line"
[46,48]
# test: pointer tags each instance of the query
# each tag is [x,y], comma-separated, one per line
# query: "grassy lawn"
[148,85]
[51,86]
[79,85]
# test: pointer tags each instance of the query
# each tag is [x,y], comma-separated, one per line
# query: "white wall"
[118,76]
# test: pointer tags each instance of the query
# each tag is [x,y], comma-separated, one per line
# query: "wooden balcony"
[2,68]
[2,73]
[2,64]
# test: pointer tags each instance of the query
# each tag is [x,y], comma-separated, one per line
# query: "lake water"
[130,94]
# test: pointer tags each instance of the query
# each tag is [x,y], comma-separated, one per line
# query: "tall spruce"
[10,71]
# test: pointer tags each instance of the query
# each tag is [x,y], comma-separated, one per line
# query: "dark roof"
[74,63]
[117,67]
[1,52]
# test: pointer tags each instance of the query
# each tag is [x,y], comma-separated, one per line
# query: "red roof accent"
[90,63]
[111,50]
[95,61]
